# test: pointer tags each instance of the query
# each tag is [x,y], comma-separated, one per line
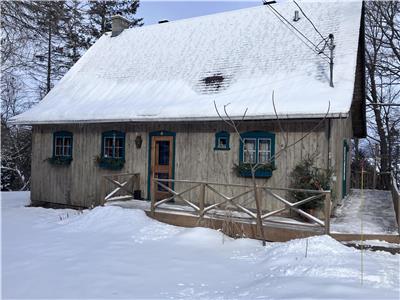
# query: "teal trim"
[160,133]
[111,134]
[63,134]
[222,134]
[257,135]
[345,168]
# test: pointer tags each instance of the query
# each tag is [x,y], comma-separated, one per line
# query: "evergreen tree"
[76,32]
[100,13]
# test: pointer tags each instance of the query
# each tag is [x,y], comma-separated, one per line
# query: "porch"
[230,209]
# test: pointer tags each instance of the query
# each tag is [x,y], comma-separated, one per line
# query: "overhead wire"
[324,39]
[309,20]
[282,19]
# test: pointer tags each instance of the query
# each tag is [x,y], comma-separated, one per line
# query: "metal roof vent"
[296,16]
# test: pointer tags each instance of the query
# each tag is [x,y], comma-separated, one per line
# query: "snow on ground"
[112,252]
[373,207]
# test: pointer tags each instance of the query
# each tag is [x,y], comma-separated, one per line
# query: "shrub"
[308,177]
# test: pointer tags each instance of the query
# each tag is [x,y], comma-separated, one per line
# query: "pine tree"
[101,11]
[76,33]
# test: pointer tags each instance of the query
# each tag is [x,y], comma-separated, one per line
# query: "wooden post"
[376,153]
[103,184]
[327,212]
[152,197]
[202,199]
[259,220]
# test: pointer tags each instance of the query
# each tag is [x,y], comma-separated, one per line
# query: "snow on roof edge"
[184,119]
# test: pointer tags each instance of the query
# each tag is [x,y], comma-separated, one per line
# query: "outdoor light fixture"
[138,141]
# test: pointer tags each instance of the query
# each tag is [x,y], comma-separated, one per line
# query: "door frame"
[155,134]
[345,168]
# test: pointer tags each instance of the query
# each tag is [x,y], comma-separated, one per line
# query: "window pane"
[108,147]
[68,151]
[264,150]
[67,146]
[108,142]
[58,151]
[118,152]
[118,142]
[163,152]
[59,141]
[263,157]
[108,152]
[222,142]
[67,141]
[249,151]
[250,144]
[264,144]
[162,176]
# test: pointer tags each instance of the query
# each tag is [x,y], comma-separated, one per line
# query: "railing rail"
[201,208]
[396,199]
[123,186]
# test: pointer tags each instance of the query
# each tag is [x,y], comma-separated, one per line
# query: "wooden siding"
[341,129]
[80,183]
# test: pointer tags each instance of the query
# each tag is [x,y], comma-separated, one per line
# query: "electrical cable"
[304,14]
[286,22]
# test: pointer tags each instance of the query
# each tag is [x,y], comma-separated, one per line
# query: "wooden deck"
[230,216]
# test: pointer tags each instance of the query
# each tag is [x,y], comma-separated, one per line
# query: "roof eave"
[181,119]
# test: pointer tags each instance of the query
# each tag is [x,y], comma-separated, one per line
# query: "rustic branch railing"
[396,200]
[201,208]
[125,183]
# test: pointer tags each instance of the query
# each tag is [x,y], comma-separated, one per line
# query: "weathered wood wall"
[341,129]
[80,183]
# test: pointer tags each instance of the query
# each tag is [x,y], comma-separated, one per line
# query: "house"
[141,100]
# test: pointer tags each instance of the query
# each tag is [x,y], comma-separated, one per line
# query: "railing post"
[202,196]
[152,196]
[103,184]
[257,196]
[327,212]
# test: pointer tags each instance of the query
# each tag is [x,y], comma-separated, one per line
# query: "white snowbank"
[111,252]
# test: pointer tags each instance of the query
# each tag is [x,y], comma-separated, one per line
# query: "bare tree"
[270,161]
[382,32]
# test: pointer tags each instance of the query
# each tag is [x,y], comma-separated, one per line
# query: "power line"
[304,42]
[286,22]
[304,14]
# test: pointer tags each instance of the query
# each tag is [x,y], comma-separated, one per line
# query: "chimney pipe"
[118,24]
[296,16]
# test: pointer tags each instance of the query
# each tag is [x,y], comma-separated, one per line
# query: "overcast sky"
[153,11]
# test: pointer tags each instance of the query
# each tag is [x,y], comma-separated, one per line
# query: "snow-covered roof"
[176,70]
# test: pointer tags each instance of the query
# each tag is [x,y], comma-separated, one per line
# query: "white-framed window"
[113,144]
[63,144]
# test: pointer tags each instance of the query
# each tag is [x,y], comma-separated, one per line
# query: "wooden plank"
[344,237]
[327,213]
[272,232]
